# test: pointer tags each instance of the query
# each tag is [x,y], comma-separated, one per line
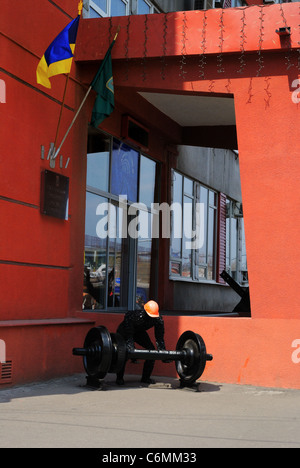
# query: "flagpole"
[117,33]
[61,109]
[78,111]
[72,123]
[80,7]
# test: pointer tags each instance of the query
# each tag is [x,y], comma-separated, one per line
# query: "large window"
[105,8]
[199,228]
[119,255]
[193,247]
[144,7]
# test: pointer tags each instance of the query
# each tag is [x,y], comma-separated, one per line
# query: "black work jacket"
[138,321]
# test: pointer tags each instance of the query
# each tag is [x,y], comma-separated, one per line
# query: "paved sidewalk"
[63,413]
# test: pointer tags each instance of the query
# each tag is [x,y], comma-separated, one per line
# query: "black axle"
[105,352]
[143,354]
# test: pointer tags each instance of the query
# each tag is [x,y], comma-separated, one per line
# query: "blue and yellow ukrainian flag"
[58,57]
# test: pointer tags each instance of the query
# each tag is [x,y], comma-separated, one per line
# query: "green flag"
[103,84]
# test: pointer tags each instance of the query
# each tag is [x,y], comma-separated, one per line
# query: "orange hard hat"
[152,309]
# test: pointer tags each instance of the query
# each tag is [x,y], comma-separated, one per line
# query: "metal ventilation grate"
[5,372]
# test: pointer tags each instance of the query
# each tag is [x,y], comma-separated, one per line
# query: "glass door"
[144,262]
[146,245]
[118,259]
[120,256]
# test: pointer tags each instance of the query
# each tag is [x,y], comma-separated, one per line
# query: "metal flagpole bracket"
[50,152]
[51,157]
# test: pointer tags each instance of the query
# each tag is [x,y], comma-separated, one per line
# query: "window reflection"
[188,258]
[236,258]
[93,13]
[124,177]
[147,181]
[104,8]
[94,257]
[98,161]
[104,245]
[202,270]
[211,244]
[117,260]
[118,8]
[188,186]
[119,270]
[176,221]
[187,237]
[144,255]
[102,4]
[143,7]
[98,8]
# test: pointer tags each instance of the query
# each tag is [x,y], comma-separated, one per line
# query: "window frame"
[234,210]
[195,252]
[133,246]
[98,10]
[128,5]
[151,7]
[107,14]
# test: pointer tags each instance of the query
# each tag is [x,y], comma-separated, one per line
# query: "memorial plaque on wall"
[54,195]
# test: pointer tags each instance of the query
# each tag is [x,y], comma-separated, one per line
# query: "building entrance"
[120,254]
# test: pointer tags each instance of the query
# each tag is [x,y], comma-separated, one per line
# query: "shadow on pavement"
[75,384]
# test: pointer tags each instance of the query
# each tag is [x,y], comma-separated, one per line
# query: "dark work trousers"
[142,339]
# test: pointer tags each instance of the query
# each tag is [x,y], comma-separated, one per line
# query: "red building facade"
[246,54]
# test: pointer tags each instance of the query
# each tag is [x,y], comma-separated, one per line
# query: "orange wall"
[42,349]
[39,255]
[269,152]
[180,33]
